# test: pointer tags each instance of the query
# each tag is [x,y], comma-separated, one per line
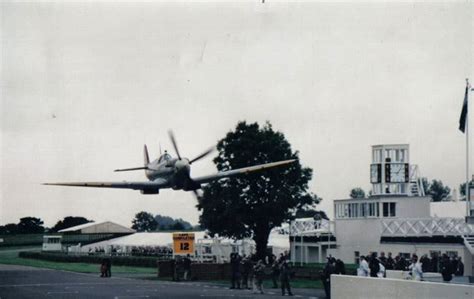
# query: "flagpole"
[468,197]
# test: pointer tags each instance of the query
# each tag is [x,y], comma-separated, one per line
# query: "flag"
[462,119]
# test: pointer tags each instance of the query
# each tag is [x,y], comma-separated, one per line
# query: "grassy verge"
[10,257]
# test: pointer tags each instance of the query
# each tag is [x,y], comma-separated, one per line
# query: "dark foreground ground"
[18,282]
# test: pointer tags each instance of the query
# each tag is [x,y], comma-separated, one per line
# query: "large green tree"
[144,222]
[437,190]
[251,205]
[30,225]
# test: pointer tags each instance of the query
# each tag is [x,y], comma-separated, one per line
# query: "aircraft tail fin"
[145,156]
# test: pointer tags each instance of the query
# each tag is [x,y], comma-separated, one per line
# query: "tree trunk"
[261,241]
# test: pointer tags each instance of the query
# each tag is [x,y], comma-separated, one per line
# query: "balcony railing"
[426,227]
[309,226]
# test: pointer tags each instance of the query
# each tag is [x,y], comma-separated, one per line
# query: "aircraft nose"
[182,164]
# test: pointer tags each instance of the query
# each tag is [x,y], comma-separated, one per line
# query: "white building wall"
[448,209]
[356,287]
[413,207]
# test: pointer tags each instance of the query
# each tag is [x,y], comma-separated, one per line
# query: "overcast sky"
[84,86]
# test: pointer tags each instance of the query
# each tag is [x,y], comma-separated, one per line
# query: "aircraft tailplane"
[145,156]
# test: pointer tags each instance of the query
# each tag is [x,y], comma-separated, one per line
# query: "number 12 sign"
[183,243]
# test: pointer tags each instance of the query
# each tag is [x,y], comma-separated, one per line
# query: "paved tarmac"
[18,282]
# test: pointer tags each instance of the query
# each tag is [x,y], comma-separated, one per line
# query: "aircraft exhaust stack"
[145,156]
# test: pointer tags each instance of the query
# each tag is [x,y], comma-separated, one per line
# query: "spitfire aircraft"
[174,173]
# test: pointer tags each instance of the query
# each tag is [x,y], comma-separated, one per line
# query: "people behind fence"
[446,268]
[374,266]
[459,267]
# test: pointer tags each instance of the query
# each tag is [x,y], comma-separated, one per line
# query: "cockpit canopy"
[164,157]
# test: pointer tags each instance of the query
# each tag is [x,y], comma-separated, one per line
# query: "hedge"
[91,259]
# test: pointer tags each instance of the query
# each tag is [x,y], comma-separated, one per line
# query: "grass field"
[9,256]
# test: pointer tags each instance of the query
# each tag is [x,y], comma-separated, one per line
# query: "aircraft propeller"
[199,157]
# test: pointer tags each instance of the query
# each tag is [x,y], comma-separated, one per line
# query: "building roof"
[166,239]
[98,228]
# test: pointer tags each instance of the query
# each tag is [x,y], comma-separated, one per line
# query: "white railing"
[413,172]
[310,226]
[426,227]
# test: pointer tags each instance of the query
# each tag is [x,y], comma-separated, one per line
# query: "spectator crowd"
[375,266]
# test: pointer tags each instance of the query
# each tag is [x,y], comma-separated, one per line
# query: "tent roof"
[101,227]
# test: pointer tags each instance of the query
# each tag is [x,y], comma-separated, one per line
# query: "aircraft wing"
[153,185]
[229,173]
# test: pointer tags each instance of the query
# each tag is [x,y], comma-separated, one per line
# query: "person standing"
[383,259]
[329,269]
[258,273]
[246,269]
[187,267]
[425,263]
[460,268]
[235,268]
[340,267]
[178,268]
[363,269]
[445,267]
[390,262]
[275,273]
[416,269]
[108,264]
[374,265]
[103,268]
[285,275]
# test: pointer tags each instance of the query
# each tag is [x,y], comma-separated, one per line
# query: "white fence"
[426,227]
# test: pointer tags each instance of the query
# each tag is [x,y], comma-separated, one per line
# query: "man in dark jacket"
[446,269]
[460,268]
[235,268]
[374,265]
[285,274]
[329,269]
[246,271]
[340,267]
[390,262]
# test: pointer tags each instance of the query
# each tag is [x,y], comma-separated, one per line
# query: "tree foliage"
[9,229]
[357,193]
[144,222]
[462,189]
[26,225]
[437,190]
[169,223]
[30,225]
[68,222]
[251,205]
